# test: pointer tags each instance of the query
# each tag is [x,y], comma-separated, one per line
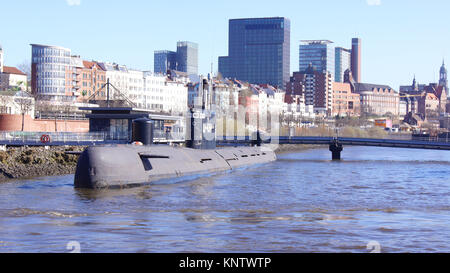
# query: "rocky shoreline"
[292,148]
[28,162]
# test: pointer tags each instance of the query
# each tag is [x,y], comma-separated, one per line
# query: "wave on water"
[22,212]
[366,161]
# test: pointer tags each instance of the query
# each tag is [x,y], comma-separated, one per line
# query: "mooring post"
[336,149]
[256,139]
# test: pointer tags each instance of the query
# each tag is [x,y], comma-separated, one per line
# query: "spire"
[415,86]
[443,69]
[443,81]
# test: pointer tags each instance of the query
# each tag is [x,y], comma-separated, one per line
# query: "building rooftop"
[360,87]
[187,43]
[344,49]
[259,18]
[12,70]
[50,46]
[88,64]
[322,42]
[163,51]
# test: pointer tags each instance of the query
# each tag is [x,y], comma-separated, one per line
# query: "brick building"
[375,99]
[428,105]
[345,103]
[315,86]
[93,78]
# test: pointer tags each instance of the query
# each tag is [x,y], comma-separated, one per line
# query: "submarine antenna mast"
[202,93]
[107,93]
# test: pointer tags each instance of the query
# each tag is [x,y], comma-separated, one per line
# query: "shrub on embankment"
[24,162]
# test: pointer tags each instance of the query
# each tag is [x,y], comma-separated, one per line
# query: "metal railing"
[161,135]
[67,138]
[30,138]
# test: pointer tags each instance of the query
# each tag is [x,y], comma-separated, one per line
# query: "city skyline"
[396,44]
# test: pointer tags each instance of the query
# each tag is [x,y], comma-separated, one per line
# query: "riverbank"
[27,162]
[292,148]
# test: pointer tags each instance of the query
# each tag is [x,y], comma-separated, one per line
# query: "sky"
[400,38]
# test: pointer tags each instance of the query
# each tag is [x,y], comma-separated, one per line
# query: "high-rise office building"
[343,60]
[318,53]
[187,57]
[1,59]
[258,51]
[164,60]
[356,59]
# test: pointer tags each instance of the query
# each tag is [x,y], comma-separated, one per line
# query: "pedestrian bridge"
[336,143]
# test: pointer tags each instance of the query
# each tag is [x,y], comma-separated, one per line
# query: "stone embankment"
[27,162]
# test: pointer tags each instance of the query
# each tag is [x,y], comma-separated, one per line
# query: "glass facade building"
[319,53]
[343,62]
[259,51]
[164,60]
[49,67]
[187,57]
[1,59]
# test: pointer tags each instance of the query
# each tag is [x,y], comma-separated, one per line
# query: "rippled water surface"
[301,203]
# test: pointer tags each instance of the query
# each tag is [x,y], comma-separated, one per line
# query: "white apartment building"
[147,90]
[11,77]
[275,100]
[118,76]
[226,97]
[16,103]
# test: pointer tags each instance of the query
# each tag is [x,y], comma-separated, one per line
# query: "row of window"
[50,82]
[55,60]
[39,52]
[51,90]
[53,75]
[87,76]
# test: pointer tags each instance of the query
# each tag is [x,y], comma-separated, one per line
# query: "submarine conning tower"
[201,119]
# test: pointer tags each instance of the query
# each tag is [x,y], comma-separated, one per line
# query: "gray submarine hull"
[123,166]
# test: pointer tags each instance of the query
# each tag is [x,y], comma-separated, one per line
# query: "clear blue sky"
[400,37]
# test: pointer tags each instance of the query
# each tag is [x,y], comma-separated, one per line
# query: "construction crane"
[408,96]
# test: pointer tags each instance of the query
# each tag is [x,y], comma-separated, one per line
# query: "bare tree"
[25,104]
[4,101]
[25,67]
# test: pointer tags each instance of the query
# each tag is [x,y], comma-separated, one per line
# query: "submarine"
[124,166]
[141,162]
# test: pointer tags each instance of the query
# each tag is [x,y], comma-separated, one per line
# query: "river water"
[397,199]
